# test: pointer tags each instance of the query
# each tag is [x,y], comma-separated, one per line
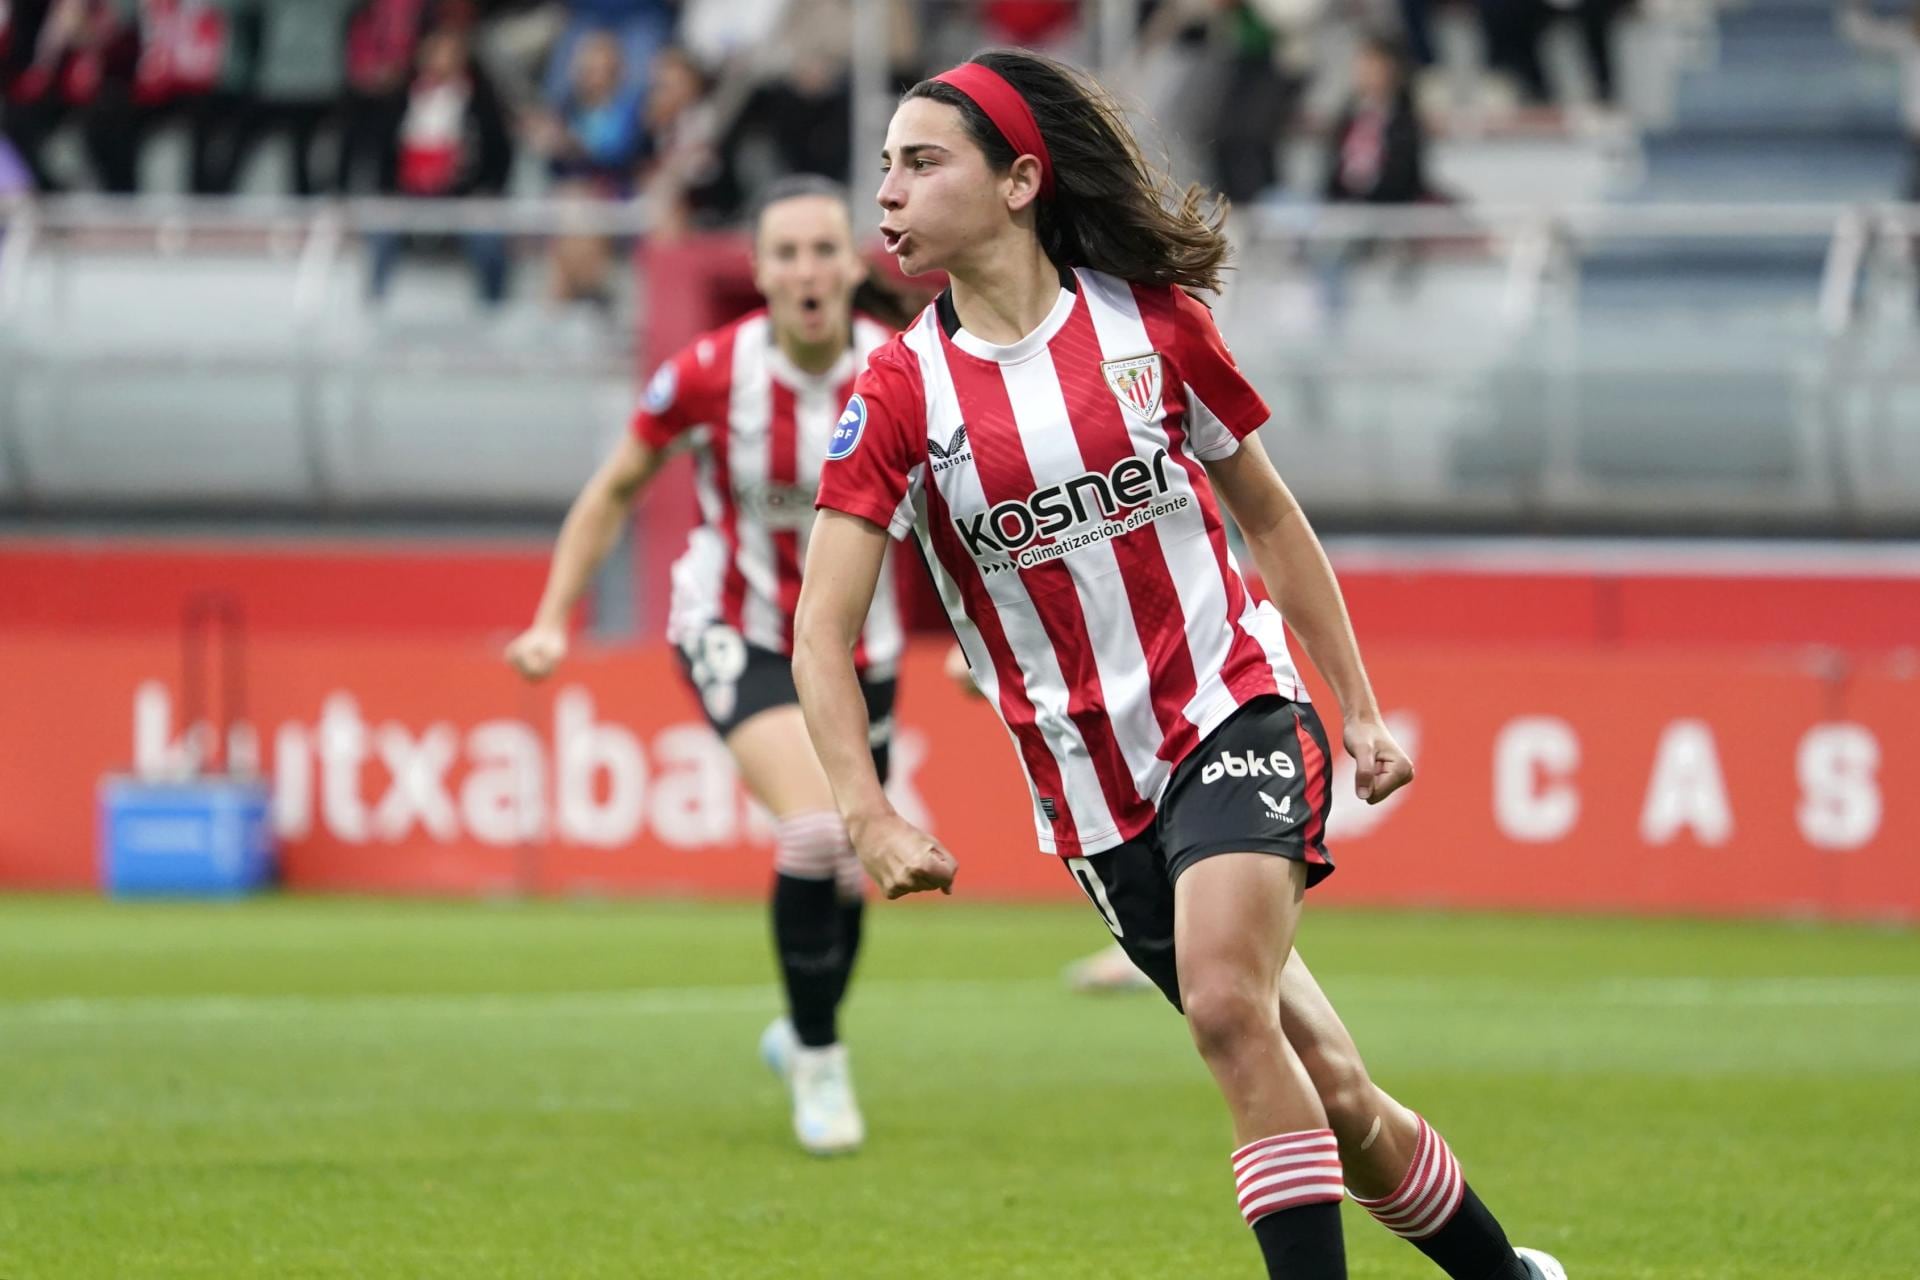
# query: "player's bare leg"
[1396,1166]
[817,914]
[1234,921]
[1377,1134]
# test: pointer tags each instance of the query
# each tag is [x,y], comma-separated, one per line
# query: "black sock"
[1472,1245]
[813,964]
[1304,1243]
[852,913]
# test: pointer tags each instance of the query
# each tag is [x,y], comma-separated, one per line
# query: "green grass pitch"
[331,1088]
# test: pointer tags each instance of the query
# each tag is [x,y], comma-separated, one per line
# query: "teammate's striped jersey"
[1058,489]
[763,428]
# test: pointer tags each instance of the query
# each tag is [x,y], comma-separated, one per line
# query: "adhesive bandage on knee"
[1372,1134]
[809,846]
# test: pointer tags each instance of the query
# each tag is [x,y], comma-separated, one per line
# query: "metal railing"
[1438,334]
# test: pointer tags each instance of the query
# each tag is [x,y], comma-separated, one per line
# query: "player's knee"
[1346,1091]
[1226,1014]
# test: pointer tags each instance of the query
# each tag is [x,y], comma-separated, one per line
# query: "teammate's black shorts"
[1260,783]
[736,681]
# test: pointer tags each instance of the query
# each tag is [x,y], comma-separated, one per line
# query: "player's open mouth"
[893,239]
[810,306]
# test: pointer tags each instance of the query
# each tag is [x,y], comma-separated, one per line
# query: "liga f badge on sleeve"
[1135,383]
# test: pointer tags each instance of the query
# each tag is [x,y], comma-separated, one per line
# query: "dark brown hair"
[870,297]
[1111,210]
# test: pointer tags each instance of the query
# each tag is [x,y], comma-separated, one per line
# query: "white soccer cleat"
[1543,1265]
[777,1044]
[1106,970]
[826,1119]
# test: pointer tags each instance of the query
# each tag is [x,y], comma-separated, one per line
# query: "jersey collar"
[1013,352]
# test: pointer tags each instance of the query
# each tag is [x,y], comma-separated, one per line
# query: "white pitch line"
[634,1002]
[1671,992]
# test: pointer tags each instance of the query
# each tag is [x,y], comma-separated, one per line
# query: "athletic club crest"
[1135,383]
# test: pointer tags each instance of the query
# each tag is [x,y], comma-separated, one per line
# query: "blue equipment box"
[203,837]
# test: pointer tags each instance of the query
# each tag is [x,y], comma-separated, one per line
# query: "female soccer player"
[1055,428]
[759,399]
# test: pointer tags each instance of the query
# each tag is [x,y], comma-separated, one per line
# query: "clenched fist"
[1380,767]
[536,651]
[900,857]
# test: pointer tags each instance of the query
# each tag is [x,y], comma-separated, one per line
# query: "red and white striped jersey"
[1057,486]
[763,426]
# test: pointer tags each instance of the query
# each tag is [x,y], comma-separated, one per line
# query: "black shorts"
[735,681]
[1260,783]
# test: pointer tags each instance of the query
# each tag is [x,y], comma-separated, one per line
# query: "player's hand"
[960,673]
[900,857]
[536,651]
[1380,767]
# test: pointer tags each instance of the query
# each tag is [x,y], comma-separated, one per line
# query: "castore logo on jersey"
[955,451]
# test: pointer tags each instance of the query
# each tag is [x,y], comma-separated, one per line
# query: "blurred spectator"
[798,113]
[381,38]
[1255,104]
[191,67]
[594,140]
[452,141]
[683,174]
[301,75]
[1029,23]
[722,32]
[593,144]
[64,55]
[210,111]
[515,42]
[1377,151]
[1899,37]
[1416,20]
[641,27]
[1514,28]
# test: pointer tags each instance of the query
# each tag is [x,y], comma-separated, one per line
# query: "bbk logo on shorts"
[1247,764]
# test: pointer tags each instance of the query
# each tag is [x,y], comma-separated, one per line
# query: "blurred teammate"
[758,398]
[1055,428]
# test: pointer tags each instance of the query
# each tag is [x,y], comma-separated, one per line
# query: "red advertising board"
[1712,781]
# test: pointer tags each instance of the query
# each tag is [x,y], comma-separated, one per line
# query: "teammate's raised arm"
[591,528]
[843,566]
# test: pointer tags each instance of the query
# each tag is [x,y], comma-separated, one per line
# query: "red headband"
[988,90]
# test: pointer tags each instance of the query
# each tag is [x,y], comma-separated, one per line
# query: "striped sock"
[1435,1210]
[1427,1196]
[1286,1171]
[809,846]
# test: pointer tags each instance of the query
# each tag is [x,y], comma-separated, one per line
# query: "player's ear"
[1023,183]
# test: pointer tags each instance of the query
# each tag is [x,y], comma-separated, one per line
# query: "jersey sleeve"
[676,399]
[1224,407]
[876,457]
